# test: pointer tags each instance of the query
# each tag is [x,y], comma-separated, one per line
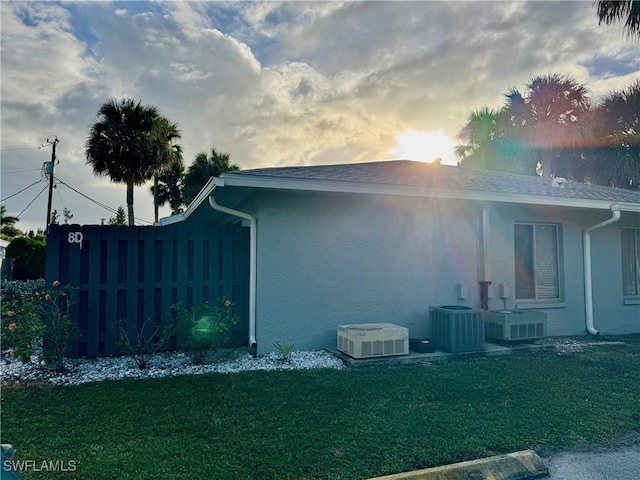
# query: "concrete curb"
[524,465]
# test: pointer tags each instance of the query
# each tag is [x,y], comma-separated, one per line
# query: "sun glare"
[424,147]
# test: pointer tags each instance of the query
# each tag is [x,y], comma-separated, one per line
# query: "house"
[384,241]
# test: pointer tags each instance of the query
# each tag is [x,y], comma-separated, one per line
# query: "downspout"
[252,266]
[588,290]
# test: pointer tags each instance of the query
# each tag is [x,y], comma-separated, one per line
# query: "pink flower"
[47,297]
[227,303]
[56,283]
[11,352]
[12,326]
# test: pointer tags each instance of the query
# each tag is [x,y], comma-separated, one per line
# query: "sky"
[274,83]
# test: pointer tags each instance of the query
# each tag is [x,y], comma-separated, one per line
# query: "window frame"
[630,298]
[538,302]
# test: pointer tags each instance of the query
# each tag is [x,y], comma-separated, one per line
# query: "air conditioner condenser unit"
[513,325]
[366,340]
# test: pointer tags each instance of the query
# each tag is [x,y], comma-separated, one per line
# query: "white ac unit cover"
[367,340]
[510,325]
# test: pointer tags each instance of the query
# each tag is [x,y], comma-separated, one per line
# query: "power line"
[100,204]
[28,186]
[30,203]
[22,171]
[15,149]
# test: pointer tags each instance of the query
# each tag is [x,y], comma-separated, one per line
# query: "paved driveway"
[619,464]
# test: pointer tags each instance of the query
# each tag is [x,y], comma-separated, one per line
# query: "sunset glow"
[424,147]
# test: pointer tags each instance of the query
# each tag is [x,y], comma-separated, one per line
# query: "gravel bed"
[80,371]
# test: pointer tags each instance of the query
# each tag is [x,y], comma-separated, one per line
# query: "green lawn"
[328,424]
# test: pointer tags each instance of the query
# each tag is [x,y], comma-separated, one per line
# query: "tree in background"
[29,255]
[202,169]
[550,120]
[54,217]
[621,10]
[616,156]
[125,143]
[67,215]
[169,187]
[166,153]
[8,229]
[120,218]
[539,130]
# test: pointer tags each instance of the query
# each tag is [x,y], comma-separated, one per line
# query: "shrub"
[60,332]
[22,327]
[147,340]
[29,256]
[16,290]
[206,327]
[31,314]
[284,349]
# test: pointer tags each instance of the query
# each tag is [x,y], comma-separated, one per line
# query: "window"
[537,261]
[631,261]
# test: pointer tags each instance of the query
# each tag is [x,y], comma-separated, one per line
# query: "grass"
[327,424]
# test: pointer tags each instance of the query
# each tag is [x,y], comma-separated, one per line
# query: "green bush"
[16,290]
[147,339]
[60,332]
[32,314]
[206,327]
[21,327]
[29,255]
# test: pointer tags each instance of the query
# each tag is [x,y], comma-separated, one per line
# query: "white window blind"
[537,262]
[630,261]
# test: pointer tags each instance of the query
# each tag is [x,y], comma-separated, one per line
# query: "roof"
[419,179]
[430,178]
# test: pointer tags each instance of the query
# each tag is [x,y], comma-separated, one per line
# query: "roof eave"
[202,195]
[254,181]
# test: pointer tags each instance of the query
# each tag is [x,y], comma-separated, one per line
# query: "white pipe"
[252,264]
[588,291]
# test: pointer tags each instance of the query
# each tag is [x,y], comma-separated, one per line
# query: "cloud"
[277,83]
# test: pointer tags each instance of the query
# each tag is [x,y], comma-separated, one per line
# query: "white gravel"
[80,371]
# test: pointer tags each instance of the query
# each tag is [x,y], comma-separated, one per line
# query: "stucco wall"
[610,313]
[326,260]
[331,259]
[568,316]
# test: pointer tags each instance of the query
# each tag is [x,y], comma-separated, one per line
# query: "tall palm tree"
[541,126]
[124,144]
[480,133]
[617,129]
[166,153]
[202,169]
[551,117]
[621,10]
[169,187]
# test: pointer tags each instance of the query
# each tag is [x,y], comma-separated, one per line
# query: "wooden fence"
[127,275]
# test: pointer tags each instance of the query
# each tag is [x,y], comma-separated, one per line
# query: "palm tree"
[8,224]
[617,129]
[169,187]
[167,153]
[481,133]
[202,169]
[125,143]
[542,126]
[616,11]
[551,118]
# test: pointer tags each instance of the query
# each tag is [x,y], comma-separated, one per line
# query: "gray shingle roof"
[418,174]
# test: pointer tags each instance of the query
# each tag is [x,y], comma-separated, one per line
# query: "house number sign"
[74,237]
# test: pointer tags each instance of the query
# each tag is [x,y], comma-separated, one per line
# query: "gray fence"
[127,275]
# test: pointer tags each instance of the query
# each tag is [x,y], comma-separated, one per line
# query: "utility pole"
[49,171]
